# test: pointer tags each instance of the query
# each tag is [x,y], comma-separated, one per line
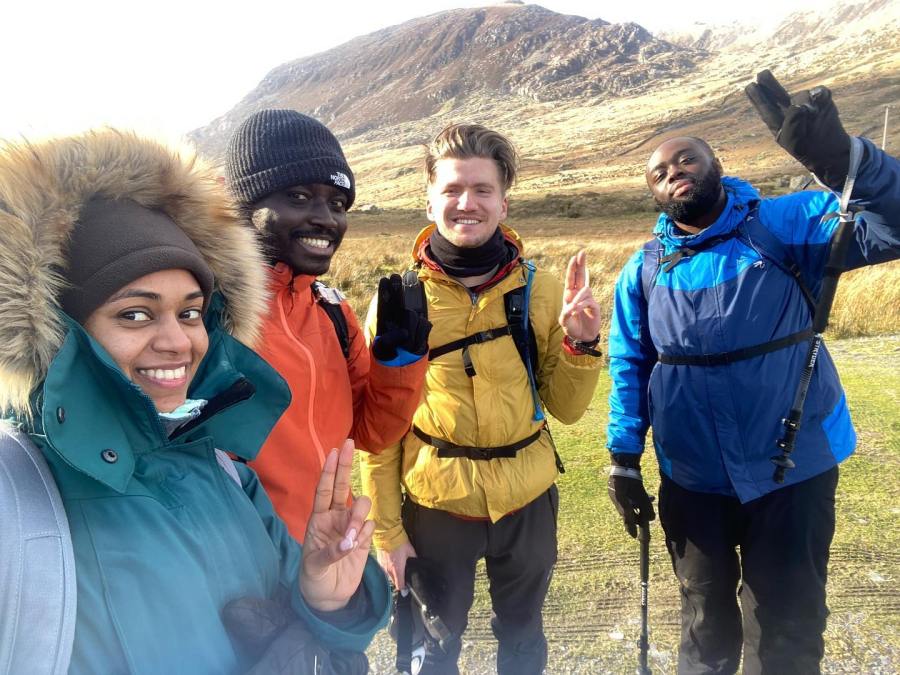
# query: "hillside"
[412,71]
[584,99]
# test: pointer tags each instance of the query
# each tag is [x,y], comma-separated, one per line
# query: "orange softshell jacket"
[333,398]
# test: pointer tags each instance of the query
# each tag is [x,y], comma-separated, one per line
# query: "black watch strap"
[585,347]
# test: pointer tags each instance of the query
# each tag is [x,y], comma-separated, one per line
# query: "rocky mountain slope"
[585,100]
[414,70]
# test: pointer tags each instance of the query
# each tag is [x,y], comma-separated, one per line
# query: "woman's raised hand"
[338,536]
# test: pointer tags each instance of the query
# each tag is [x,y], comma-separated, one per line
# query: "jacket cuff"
[628,460]
[390,539]
[358,605]
[580,359]
[403,358]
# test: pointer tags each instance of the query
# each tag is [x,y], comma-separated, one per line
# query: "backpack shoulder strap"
[760,238]
[653,251]
[516,304]
[38,609]
[520,327]
[330,300]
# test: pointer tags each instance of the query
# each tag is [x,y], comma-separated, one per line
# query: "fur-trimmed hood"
[43,187]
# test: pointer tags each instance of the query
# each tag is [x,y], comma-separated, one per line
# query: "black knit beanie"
[116,241]
[276,149]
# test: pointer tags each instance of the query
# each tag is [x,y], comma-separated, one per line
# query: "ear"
[429,210]
[718,165]
[262,218]
[504,208]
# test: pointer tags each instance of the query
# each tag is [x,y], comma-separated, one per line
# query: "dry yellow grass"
[868,300]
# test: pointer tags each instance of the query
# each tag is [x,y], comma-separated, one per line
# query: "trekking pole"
[644,642]
[837,259]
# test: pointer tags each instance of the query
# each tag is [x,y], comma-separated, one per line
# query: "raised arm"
[807,125]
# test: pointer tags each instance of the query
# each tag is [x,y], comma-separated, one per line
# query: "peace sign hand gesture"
[338,537]
[580,316]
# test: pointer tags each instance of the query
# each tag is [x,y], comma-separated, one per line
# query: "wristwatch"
[585,347]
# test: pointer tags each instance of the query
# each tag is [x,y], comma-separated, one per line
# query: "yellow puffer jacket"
[492,409]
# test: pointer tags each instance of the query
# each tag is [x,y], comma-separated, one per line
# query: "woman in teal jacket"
[126,290]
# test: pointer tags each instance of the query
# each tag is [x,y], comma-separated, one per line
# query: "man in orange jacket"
[289,177]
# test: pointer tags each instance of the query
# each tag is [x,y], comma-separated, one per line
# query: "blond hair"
[464,141]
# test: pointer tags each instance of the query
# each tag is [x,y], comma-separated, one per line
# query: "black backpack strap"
[724,358]
[330,300]
[653,252]
[751,232]
[403,617]
[656,259]
[448,449]
[475,339]
[760,238]
[520,328]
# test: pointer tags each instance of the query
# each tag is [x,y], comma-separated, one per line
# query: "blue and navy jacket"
[715,427]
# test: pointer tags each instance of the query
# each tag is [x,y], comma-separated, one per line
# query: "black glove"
[806,125]
[398,326]
[271,636]
[626,490]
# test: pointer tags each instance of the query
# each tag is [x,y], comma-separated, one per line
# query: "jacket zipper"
[312,380]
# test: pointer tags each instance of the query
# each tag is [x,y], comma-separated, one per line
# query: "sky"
[166,67]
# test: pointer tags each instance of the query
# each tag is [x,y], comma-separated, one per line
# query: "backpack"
[758,237]
[37,563]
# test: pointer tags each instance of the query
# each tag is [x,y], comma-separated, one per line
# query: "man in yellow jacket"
[474,477]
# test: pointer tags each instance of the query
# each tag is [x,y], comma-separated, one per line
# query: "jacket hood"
[739,194]
[43,187]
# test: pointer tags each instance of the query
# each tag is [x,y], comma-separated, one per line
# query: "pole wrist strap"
[626,472]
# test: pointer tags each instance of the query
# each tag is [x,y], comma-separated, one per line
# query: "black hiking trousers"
[519,552]
[772,552]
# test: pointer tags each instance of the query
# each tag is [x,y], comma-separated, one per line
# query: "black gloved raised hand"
[398,326]
[806,124]
[626,491]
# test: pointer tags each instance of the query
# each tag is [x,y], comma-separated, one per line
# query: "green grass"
[592,610]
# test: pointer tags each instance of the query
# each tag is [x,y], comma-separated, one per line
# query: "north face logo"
[341,179]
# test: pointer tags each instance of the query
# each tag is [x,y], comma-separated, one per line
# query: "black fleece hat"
[275,149]
[117,241]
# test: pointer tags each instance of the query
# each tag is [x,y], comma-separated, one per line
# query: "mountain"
[585,100]
[842,24]
[416,69]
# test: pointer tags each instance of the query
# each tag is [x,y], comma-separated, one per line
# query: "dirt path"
[598,633]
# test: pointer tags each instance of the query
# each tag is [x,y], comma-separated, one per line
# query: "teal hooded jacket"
[163,536]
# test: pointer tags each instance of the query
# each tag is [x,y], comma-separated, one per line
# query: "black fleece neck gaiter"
[470,262]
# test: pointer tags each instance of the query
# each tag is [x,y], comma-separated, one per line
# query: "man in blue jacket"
[710,332]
